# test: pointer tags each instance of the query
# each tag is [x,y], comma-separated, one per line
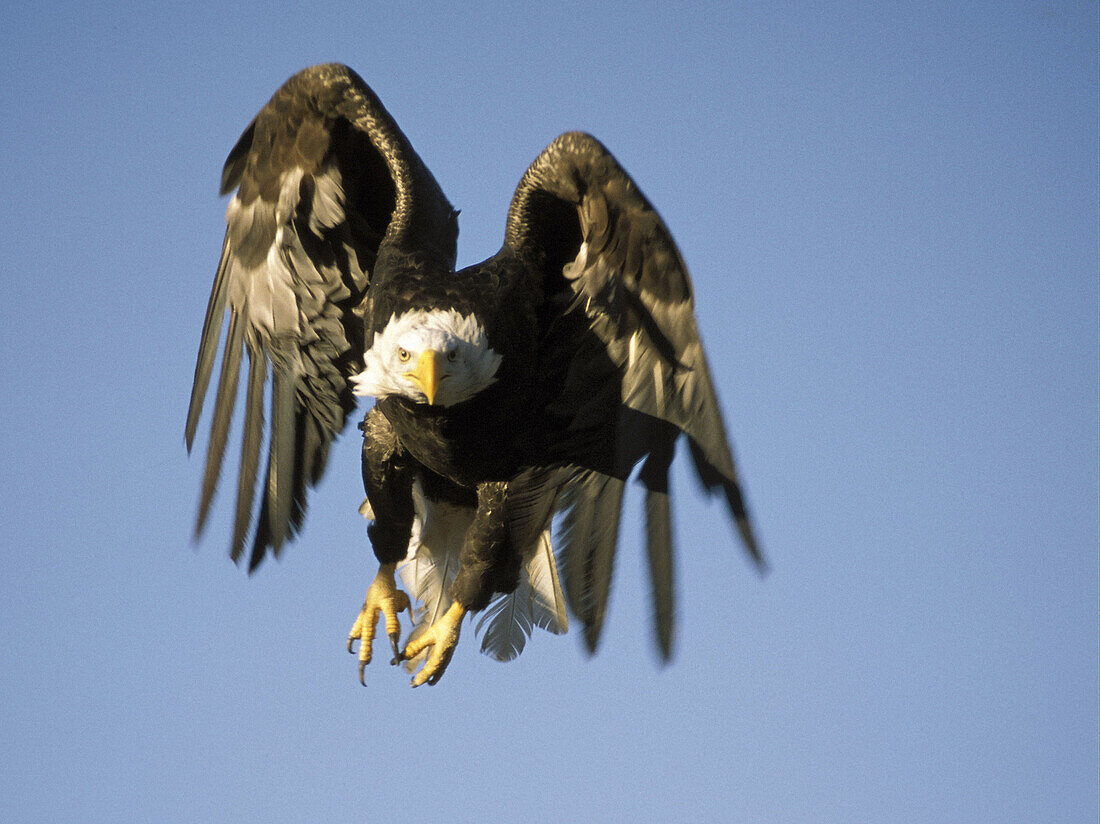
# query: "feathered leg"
[388,483]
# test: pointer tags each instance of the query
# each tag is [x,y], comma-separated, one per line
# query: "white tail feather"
[538,601]
[432,562]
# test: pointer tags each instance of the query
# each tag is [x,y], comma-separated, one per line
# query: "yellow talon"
[442,637]
[383,597]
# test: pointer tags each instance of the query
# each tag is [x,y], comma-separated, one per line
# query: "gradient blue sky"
[890,214]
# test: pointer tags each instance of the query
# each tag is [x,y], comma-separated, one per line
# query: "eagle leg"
[442,637]
[383,597]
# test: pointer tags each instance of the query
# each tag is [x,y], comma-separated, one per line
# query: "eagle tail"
[432,562]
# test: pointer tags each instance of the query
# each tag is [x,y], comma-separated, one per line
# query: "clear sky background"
[890,214]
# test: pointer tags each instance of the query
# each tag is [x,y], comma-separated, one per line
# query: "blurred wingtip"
[591,640]
[748,538]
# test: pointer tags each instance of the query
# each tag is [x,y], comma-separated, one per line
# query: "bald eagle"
[513,398]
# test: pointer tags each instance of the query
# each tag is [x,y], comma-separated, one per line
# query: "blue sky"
[890,215]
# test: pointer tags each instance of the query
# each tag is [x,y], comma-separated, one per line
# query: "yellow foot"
[442,637]
[383,597]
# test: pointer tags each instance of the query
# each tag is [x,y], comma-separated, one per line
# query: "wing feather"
[208,345]
[658,510]
[224,402]
[280,477]
[592,506]
[250,449]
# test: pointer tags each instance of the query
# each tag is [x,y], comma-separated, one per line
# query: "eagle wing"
[623,371]
[325,179]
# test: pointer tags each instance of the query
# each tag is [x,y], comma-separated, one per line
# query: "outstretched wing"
[624,372]
[325,180]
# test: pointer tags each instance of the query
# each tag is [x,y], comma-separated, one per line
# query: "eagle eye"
[452,356]
[403,355]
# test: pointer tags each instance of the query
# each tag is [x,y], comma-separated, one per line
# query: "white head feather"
[470,364]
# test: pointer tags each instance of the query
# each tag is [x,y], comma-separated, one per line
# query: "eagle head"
[437,356]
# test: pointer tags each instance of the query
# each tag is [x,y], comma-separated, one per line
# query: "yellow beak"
[428,373]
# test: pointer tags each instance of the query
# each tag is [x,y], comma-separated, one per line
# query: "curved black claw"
[443,664]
